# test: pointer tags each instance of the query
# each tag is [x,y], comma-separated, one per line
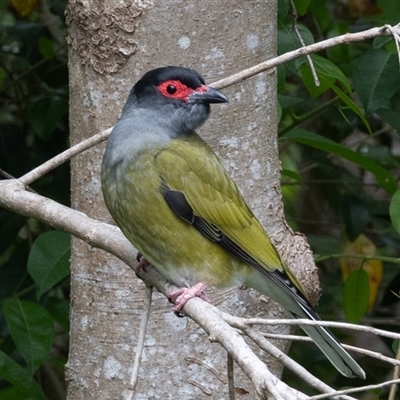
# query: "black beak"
[207,94]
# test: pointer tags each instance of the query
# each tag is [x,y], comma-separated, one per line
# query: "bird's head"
[179,97]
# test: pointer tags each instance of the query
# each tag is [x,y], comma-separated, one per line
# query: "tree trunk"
[112,43]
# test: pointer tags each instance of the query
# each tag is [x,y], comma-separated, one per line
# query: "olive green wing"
[199,190]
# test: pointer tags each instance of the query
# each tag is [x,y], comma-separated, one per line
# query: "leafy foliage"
[48,261]
[340,153]
[31,328]
[33,128]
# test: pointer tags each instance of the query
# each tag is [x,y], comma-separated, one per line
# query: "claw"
[181,296]
[141,265]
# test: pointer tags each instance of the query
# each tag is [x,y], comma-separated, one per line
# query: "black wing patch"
[182,209]
[178,204]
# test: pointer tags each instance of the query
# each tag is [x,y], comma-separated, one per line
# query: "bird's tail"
[333,350]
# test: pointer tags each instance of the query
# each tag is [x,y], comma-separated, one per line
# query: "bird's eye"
[171,89]
[174,89]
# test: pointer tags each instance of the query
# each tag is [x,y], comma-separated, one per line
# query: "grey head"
[177,97]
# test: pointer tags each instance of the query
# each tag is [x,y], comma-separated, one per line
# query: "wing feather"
[191,168]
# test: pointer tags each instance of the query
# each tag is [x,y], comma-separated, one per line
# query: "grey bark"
[111,45]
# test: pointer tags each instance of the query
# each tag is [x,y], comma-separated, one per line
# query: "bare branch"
[296,31]
[393,388]
[140,342]
[64,156]
[303,51]
[356,390]
[345,325]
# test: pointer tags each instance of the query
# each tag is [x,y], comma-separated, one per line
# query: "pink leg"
[182,295]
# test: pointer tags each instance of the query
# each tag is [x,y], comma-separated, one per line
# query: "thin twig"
[369,353]
[345,325]
[356,390]
[140,342]
[393,388]
[231,381]
[303,51]
[6,174]
[64,156]
[296,31]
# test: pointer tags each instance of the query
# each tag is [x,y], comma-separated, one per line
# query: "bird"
[171,197]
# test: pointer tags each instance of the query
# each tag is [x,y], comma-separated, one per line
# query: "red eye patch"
[178,90]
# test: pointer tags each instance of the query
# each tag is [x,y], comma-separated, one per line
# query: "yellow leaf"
[25,7]
[374,268]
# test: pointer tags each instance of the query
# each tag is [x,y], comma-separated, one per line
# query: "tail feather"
[279,286]
[333,350]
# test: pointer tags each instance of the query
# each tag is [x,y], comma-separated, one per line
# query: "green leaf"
[308,80]
[394,210]
[10,224]
[59,309]
[301,6]
[283,9]
[328,73]
[395,345]
[291,174]
[48,261]
[16,393]
[391,117]
[329,69]
[289,101]
[320,14]
[390,11]
[45,114]
[376,78]
[19,377]
[46,48]
[31,328]
[381,41]
[384,178]
[355,215]
[356,295]
[281,78]
[350,103]
[375,392]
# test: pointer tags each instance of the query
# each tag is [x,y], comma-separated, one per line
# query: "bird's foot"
[141,265]
[181,296]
